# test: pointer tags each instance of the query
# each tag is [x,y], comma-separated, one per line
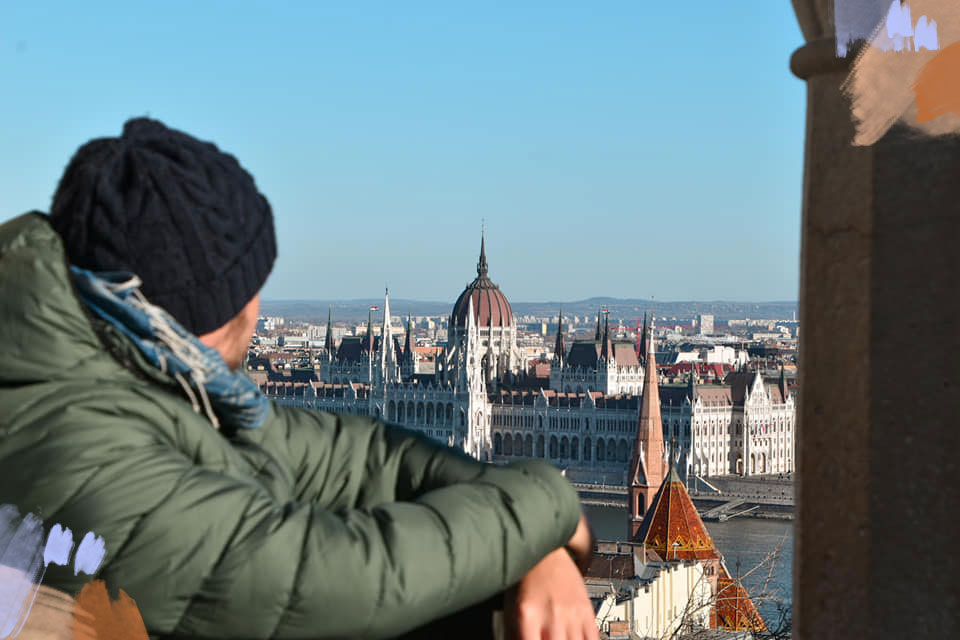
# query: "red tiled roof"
[734,609]
[673,520]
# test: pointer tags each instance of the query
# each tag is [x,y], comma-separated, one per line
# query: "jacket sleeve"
[341,460]
[208,554]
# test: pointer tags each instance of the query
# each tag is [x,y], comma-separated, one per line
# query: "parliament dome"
[490,306]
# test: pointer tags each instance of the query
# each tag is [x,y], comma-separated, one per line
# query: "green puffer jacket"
[314,525]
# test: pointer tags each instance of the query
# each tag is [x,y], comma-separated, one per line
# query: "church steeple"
[649,465]
[598,326]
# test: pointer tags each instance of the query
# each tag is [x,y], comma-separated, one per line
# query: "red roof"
[718,370]
[734,610]
[673,528]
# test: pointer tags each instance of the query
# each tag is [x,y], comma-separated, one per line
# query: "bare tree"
[691,618]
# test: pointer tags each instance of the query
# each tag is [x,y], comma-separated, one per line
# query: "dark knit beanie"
[174,210]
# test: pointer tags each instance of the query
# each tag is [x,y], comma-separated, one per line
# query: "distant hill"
[627,309]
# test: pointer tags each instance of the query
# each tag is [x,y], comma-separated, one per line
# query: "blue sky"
[613,148]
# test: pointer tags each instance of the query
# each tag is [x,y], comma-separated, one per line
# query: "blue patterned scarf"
[225,396]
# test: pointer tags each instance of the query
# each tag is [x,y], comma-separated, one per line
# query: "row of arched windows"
[424,413]
[562,448]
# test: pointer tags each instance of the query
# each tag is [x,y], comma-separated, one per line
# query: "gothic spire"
[607,350]
[784,390]
[328,340]
[692,384]
[482,264]
[642,340]
[386,334]
[560,348]
[650,427]
[408,340]
[598,325]
[369,341]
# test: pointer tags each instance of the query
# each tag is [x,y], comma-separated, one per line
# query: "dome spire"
[482,264]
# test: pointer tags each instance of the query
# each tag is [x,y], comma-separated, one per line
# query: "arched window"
[497,444]
[401,412]
[554,446]
[540,424]
[611,450]
[587,428]
[622,451]
[419,412]
[429,413]
[564,447]
[392,411]
[574,448]
[528,446]
[439,413]
[449,413]
[586,449]
[540,446]
[600,451]
[411,412]
[508,445]
[463,419]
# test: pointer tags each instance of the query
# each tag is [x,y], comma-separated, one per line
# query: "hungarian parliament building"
[479,398]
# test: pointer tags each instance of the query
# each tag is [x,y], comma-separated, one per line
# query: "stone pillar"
[878,441]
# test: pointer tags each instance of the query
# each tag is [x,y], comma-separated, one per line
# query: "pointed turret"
[408,339]
[606,350]
[388,357]
[597,338]
[328,344]
[649,466]
[368,341]
[642,340]
[560,347]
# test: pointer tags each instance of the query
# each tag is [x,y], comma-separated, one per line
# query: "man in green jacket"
[124,316]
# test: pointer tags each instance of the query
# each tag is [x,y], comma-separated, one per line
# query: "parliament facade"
[478,397]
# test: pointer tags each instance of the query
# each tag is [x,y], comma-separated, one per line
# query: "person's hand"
[550,603]
[581,544]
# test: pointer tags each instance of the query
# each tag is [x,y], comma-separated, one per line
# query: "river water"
[749,540]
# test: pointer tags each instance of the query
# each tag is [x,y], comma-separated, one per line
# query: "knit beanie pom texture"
[182,215]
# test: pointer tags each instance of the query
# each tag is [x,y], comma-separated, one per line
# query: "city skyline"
[383,138]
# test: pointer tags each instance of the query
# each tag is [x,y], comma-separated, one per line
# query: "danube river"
[749,540]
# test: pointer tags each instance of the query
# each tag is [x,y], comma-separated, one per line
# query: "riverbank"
[716,499]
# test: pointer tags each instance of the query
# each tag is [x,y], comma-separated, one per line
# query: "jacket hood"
[45,333]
